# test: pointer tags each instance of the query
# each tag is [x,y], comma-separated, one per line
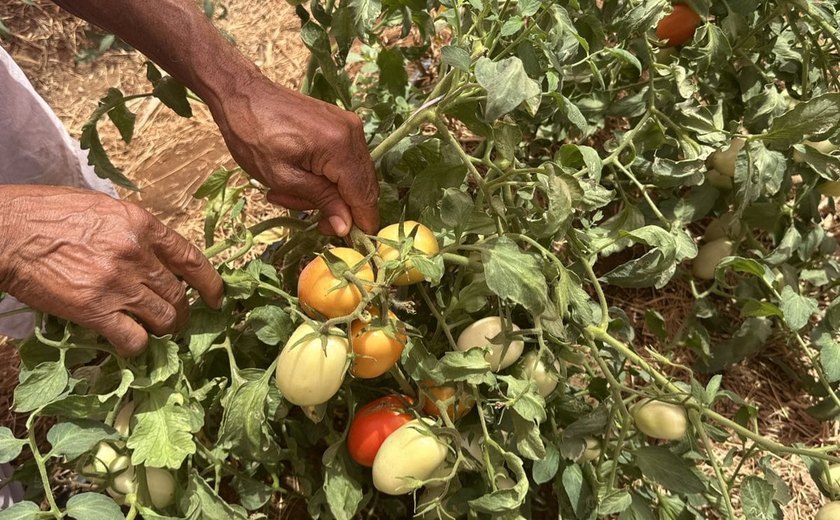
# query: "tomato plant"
[562,164]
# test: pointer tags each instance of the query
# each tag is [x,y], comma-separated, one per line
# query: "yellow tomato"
[321,293]
[424,243]
[375,350]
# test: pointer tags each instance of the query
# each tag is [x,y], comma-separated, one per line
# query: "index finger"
[188,262]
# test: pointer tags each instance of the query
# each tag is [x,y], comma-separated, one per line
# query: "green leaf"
[670,471]
[514,275]
[470,366]
[93,506]
[654,268]
[73,438]
[522,397]
[797,309]
[318,43]
[757,499]
[84,406]
[616,502]
[432,268]
[758,173]
[506,83]
[365,13]
[205,327]
[21,511]
[252,494]
[815,119]
[392,73]
[160,361]
[529,442]
[120,115]
[173,94]
[271,324]
[572,113]
[750,338]
[343,491]
[98,158]
[243,428]
[545,469]
[215,183]
[456,57]
[10,446]
[200,502]
[830,361]
[40,386]
[162,436]
[577,490]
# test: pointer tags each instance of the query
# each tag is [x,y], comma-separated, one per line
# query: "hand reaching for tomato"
[99,262]
[311,154]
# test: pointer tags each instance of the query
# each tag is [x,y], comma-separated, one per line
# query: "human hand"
[311,154]
[99,262]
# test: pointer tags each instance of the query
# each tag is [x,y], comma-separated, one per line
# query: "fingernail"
[338,225]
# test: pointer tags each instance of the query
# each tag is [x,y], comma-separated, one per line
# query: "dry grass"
[171,156]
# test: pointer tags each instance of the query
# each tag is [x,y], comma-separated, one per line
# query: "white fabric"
[35,148]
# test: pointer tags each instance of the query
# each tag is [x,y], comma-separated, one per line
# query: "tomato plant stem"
[694,417]
[40,462]
[410,125]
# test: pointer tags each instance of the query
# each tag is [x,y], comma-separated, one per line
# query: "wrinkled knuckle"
[193,259]
[167,317]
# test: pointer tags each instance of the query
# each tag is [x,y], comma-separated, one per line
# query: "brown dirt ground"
[171,156]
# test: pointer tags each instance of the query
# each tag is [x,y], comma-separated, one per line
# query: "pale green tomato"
[161,485]
[122,478]
[724,160]
[411,452]
[830,511]
[719,228]
[307,373]
[709,256]
[504,482]
[829,188]
[534,368]
[481,332]
[831,479]
[660,420]
[123,420]
[825,147]
[592,450]
[719,181]
[101,461]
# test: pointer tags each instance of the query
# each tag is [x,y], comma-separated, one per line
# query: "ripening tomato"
[321,293]
[373,423]
[424,243]
[660,420]
[678,26]
[460,406]
[480,334]
[412,451]
[830,511]
[709,256]
[376,346]
[309,372]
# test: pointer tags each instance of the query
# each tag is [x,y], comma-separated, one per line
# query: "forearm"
[176,35]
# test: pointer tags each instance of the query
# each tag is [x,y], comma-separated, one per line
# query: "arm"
[99,262]
[311,154]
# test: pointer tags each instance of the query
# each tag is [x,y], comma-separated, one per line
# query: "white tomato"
[534,368]
[709,256]
[660,420]
[310,372]
[481,333]
[412,453]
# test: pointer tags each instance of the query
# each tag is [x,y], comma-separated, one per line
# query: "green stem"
[42,469]
[410,124]
[256,229]
[694,417]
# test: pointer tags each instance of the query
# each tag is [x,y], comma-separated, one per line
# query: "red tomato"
[677,27]
[373,423]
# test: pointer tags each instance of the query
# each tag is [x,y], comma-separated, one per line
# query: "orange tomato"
[425,243]
[376,348]
[321,293]
[677,27]
[460,407]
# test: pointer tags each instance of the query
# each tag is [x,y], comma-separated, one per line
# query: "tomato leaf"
[470,366]
[243,430]
[815,119]
[40,386]
[343,490]
[514,275]
[120,115]
[455,57]
[73,438]
[577,490]
[200,502]
[10,447]
[523,398]
[93,506]
[271,324]
[506,83]
[21,511]
[545,468]
[162,436]
[98,158]
[667,469]
[757,498]
[797,309]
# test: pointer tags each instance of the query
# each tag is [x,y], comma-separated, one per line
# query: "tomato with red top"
[373,423]
[677,27]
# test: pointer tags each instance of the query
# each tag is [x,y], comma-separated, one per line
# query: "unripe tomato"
[719,228]
[592,451]
[122,478]
[660,420]
[709,256]
[309,373]
[831,478]
[373,423]
[719,181]
[830,511]
[96,470]
[122,422]
[376,348]
[411,451]
[461,406]
[825,147]
[424,243]
[724,160]
[829,188]
[480,334]
[678,26]
[161,485]
[320,292]
[531,367]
